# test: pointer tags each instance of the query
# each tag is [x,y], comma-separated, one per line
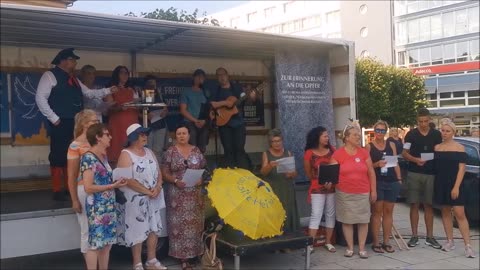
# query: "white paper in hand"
[392,161]
[191,177]
[426,156]
[286,165]
[122,173]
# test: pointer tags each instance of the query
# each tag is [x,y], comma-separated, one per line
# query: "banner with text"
[304,98]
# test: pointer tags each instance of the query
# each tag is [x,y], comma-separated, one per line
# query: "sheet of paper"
[191,177]
[120,173]
[426,156]
[392,161]
[286,165]
[155,116]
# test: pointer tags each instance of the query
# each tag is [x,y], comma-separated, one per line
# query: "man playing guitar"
[233,133]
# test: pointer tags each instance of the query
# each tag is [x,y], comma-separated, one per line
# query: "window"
[333,19]
[364,32]
[400,7]
[422,5]
[434,4]
[287,7]
[334,35]
[412,6]
[413,31]
[461,22]
[437,55]
[449,53]
[462,51]
[459,94]
[472,155]
[401,33]
[413,57]
[401,58]
[287,27]
[474,93]
[431,96]
[474,50]
[313,21]
[297,25]
[452,103]
[268,12]
[251,17]
[436,26]
[424,56]
[448,24]
[473,18]
[446,95]
[424,28]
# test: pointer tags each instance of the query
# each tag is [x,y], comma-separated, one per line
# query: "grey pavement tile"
[469,262]
[327,266]
[418,255]
[439,264]
[267,261]
[373,262]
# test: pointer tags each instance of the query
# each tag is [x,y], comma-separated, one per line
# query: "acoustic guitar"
[223,114]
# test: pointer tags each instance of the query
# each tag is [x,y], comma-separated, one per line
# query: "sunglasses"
[380,131]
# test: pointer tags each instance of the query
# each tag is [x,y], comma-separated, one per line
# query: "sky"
[123,7]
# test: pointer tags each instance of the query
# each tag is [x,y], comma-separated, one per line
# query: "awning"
[60,28]
[454,83]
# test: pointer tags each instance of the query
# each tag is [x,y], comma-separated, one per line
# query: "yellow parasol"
[246,203]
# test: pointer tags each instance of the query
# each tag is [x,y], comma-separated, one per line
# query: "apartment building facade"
[440,41]
[367,23]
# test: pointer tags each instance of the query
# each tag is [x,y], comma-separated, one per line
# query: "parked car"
[471,179]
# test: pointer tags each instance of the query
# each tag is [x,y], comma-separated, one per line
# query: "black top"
[376,155]
[422,144]
[221,95]
[446,170]
[398,144]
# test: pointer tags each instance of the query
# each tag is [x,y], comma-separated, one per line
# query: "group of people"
[155,201]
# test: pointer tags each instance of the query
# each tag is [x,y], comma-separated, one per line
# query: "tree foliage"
[172,14]
[388,93]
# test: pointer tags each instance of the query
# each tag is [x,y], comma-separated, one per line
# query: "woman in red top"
[322,197]
[119,117]
[355,190]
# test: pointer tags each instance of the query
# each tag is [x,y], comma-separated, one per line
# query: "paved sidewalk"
[420,257]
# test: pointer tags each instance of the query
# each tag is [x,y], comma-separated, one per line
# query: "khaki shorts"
[420,188]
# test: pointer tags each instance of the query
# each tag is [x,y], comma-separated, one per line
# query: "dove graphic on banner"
[26,95]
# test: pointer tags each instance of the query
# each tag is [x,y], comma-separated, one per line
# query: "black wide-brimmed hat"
[64,54]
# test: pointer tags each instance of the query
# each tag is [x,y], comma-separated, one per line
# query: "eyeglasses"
[380,131]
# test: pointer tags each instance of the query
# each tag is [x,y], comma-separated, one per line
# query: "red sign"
[475,65]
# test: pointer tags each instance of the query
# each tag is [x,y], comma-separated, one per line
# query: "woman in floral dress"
[140,217]
[100,202]
[185,205]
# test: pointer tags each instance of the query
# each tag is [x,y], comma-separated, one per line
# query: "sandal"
[155,264]
[330,248]
[363,254]
[388,248]
[348,253]
[377,248]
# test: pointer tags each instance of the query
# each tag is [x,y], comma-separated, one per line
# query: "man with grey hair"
[87,77]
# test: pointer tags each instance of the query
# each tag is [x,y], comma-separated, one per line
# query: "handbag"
[209,260]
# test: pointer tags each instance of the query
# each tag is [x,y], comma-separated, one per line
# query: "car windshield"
[472,155]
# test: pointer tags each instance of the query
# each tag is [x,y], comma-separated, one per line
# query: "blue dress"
[100,206]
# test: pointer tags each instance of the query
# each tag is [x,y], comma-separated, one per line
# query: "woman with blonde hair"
[388,187]
[450,160]
[356,189]
[83,120]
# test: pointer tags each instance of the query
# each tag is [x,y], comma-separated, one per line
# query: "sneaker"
[449,246]
[430,241]
[469,252]
[413,241]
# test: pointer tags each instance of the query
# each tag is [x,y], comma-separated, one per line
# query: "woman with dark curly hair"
[119,117]
[318,150]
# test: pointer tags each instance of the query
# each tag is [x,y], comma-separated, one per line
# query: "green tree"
[388,93]
[172,14]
